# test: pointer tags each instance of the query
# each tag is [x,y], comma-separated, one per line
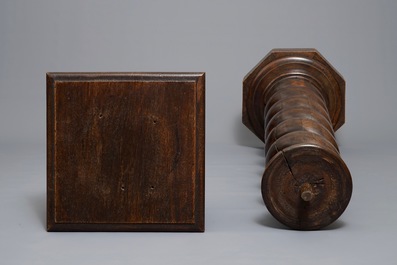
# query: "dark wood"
[125,151]
[294,100]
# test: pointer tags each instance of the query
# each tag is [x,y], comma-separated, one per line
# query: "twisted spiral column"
[293,101]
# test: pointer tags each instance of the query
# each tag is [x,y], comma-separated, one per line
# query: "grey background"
[225,39]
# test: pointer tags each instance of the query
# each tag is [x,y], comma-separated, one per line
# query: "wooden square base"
[125,151]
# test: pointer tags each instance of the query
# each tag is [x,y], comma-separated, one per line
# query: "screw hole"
[152,187]
[100,115]
[123,188]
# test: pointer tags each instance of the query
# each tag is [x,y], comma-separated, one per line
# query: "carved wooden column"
[294,101]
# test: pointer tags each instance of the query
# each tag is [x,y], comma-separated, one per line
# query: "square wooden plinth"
[125,151]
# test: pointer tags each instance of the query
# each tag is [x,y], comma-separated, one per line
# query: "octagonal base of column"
[279,64]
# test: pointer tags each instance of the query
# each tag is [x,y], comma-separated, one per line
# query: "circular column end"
[306,187]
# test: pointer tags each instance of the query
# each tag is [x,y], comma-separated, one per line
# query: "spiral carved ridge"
[296,115]
[293,101]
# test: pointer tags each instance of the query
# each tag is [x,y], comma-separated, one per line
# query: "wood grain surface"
[125,151]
